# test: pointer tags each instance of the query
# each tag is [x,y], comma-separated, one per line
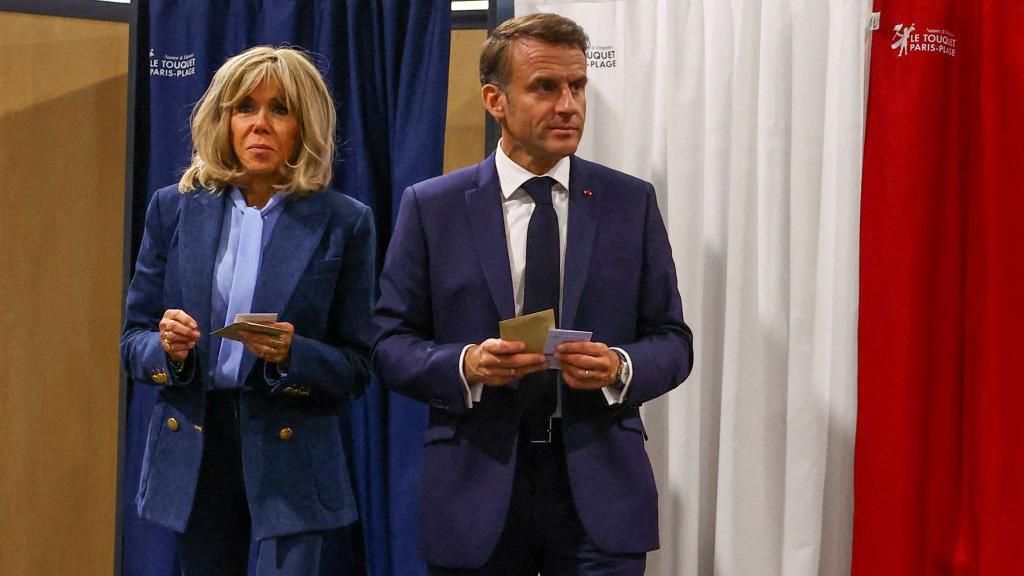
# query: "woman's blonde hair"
[214,163]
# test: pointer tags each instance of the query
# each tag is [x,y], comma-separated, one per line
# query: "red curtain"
[939,476]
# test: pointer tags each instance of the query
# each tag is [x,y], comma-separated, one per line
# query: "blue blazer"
[317,272]
[446,283]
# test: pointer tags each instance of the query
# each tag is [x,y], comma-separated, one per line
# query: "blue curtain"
[386,62]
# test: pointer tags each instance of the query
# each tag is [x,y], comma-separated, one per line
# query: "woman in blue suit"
[244,439]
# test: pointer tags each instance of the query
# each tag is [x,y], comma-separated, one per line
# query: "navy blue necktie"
[542,290]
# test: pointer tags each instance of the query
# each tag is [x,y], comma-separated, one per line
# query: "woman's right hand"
[178,334]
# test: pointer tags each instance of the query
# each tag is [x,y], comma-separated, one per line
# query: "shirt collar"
[275,201]
[512,176]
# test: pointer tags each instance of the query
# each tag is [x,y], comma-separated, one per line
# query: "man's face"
[542,109]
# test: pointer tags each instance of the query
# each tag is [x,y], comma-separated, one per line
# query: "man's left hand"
[587,365]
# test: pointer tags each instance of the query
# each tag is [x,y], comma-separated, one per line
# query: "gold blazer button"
[286,433]
[172,424]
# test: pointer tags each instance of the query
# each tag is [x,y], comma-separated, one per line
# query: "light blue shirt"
[224,268]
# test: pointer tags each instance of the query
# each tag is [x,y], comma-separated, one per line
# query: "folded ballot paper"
[538,331]
[251,322]
[556,337]
[531,329]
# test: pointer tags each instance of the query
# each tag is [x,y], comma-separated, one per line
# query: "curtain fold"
[386,63]
[748,118]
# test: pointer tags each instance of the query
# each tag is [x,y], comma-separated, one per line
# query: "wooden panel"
[62,149]
[464,133]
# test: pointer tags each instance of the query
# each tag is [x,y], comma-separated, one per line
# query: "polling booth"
[65,104]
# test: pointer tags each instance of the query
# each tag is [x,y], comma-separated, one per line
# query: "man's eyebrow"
[546,77]
[542,79]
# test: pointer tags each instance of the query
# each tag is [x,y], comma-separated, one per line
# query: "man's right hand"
[496,362]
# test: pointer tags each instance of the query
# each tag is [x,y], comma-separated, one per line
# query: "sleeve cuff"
[471,392]
[616,393]
[274,374]
[186,374]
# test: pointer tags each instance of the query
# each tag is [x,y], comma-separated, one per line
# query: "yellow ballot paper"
[531,329]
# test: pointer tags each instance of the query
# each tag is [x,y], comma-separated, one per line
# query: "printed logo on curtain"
[172,66]
[908,39]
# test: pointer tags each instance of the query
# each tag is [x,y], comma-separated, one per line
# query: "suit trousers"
[543,533]
[217,539]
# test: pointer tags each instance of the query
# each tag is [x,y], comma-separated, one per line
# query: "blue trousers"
[543,533]
[217,539]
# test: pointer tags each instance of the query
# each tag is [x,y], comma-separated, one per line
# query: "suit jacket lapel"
[296,235]
[583,217]
[202,214]
[488,222]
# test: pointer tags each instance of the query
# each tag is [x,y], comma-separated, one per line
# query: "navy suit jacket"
[317,272]
[447,283]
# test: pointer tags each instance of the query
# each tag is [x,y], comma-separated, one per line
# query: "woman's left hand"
[274,349]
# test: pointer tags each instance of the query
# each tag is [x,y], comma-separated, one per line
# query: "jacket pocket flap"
[634,423]
[439,432]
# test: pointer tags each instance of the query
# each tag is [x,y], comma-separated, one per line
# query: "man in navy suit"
[526,469]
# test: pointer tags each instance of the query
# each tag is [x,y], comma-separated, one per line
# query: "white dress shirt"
[517,207]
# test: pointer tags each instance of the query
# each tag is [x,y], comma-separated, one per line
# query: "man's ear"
[494,101]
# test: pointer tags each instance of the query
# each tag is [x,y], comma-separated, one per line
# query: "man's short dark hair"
[548,28]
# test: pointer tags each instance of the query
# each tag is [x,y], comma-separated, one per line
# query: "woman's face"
[264,133]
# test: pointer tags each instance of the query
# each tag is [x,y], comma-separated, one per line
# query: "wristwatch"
[619,382]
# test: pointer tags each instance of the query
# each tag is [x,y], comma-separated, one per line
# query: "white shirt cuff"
[472,392]
[615,395]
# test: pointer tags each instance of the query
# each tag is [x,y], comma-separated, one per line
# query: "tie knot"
[539,189]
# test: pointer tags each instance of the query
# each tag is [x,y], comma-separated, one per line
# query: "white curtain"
[748,117]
